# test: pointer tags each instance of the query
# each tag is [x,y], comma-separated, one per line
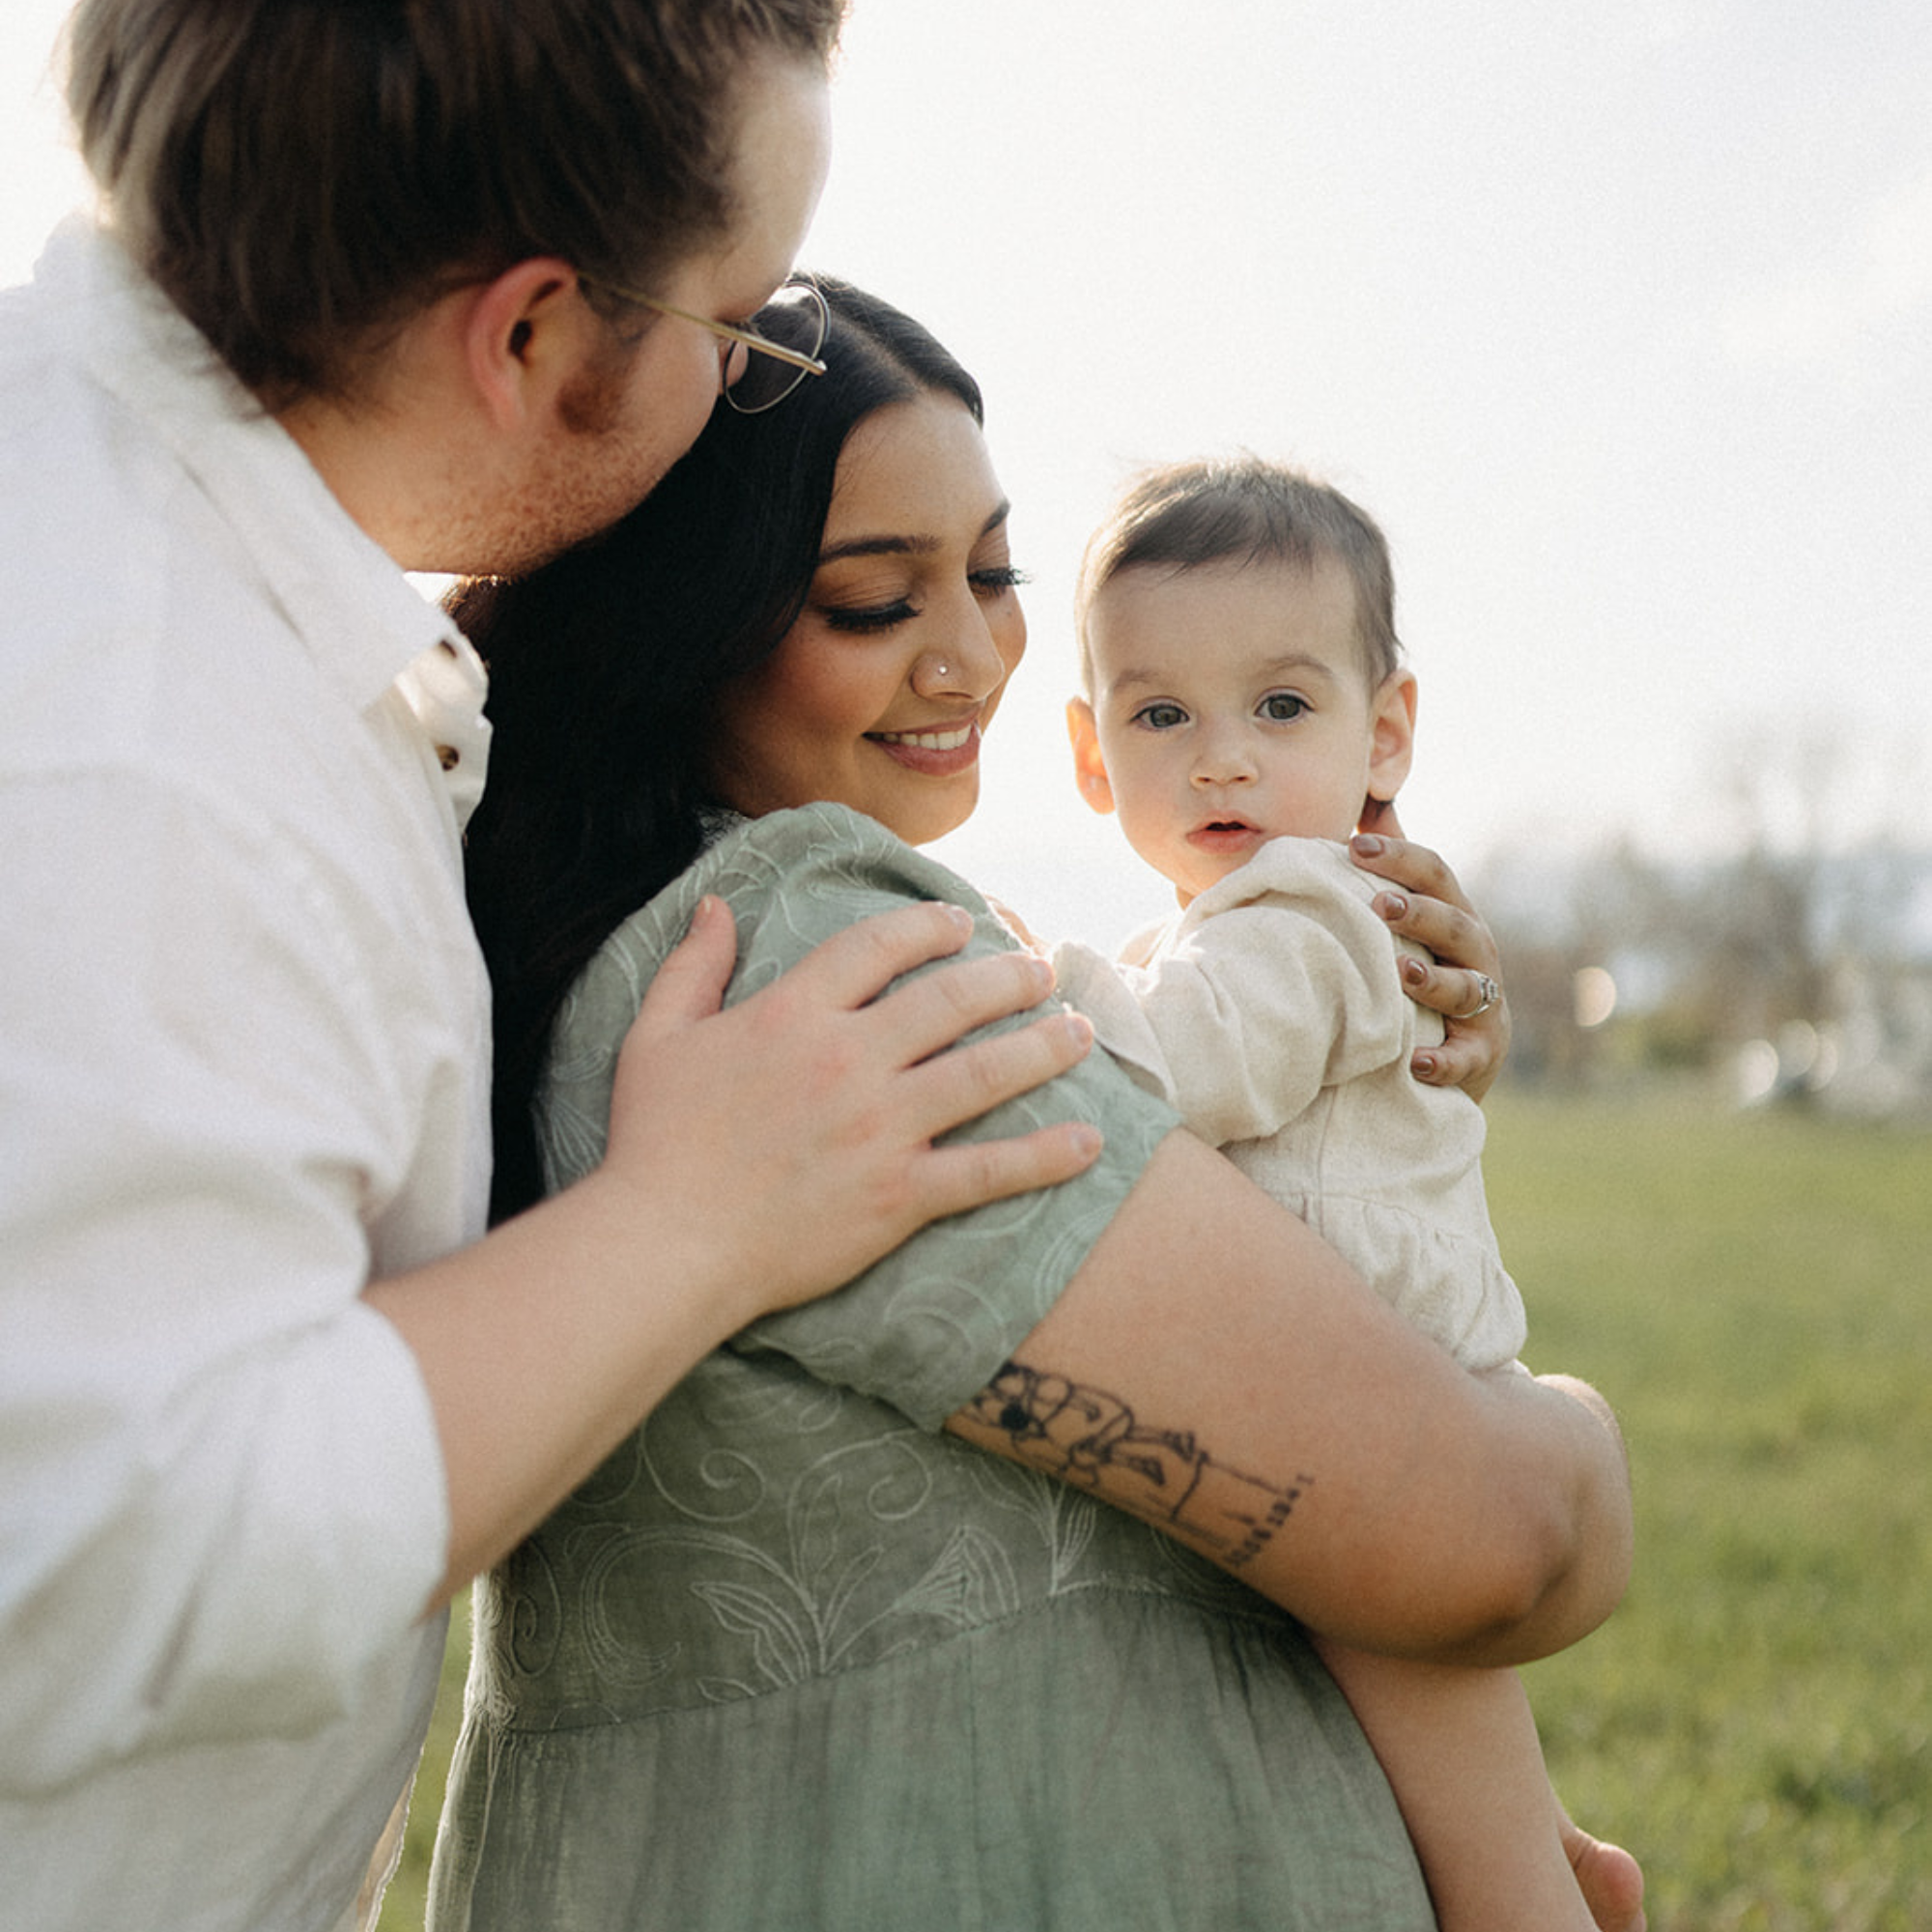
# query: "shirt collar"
[360,616]
[366,625]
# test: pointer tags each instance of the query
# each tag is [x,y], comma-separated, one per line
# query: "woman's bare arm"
[1217,1369]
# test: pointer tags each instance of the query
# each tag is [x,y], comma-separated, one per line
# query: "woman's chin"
[924,826]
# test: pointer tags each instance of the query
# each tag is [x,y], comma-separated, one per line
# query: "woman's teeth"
[927,741]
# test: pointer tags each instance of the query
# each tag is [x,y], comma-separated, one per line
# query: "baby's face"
[1231,706]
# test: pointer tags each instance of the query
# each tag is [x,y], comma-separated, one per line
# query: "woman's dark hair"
[605,669]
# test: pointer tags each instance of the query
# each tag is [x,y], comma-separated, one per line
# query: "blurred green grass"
[1755,1295]
[406,1899]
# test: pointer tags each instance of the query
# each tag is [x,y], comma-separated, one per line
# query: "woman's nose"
[966,665]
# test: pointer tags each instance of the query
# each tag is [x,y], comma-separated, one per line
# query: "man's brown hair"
[301,176]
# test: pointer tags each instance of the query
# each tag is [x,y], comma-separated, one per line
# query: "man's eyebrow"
[902,546]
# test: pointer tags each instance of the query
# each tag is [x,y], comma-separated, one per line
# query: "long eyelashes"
[862,620]
[872,618]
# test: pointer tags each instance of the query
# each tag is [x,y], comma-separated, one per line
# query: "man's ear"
[1392,735]
[524,338]
[1090,769]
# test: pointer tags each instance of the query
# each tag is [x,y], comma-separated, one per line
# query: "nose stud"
[941,671]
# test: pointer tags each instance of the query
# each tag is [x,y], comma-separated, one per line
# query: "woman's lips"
[936,753]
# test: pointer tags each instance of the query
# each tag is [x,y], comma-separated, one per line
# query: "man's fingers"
[855,966]
[691,983]
[953,1179]
[954,1088]
[926,1016]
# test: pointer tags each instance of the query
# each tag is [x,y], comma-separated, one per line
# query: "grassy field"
[1755,1295]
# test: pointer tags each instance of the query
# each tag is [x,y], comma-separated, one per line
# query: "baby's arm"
[1279,982]
[1460,1749]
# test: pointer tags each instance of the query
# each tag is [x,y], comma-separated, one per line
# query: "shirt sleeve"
[925,1328]
[1279,982]
[221,1503]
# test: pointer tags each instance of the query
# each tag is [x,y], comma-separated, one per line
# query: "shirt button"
[452,757]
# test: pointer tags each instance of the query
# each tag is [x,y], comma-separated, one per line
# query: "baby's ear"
[1090,769]
[1392,734]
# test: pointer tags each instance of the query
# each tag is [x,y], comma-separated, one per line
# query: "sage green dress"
[794,1660]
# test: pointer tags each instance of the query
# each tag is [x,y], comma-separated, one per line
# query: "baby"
[1243,706]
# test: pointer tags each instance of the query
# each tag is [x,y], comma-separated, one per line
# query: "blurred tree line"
[1794,967]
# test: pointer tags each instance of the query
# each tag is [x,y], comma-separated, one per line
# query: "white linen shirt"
[243,1071]
[1270,1015]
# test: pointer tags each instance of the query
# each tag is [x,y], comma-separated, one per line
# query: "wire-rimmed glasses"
[783,340]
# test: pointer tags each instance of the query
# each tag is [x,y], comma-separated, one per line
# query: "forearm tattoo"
[1095,1441]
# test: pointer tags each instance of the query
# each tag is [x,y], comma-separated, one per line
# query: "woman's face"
[877,696]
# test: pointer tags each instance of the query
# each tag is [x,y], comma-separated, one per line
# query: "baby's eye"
[1281,705]
[1160,716]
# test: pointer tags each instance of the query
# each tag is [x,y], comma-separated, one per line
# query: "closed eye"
[863,620]
[995,580]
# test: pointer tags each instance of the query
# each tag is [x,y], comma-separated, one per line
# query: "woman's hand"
[1462,985]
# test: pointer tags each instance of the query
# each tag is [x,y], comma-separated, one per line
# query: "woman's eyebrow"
[902,546]
[878,547]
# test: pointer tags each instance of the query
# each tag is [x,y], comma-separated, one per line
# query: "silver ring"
[1488,994]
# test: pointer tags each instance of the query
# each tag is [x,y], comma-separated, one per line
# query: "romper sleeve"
[928,1328]
[1279,982]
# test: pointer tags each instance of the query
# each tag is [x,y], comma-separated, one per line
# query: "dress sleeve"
[1279,982]
[925,1328]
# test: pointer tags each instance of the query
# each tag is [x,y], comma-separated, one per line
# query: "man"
[379,289]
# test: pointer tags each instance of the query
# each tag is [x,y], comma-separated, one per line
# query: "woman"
[802,1654]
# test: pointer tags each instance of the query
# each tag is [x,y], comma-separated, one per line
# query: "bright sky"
[1618,317]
